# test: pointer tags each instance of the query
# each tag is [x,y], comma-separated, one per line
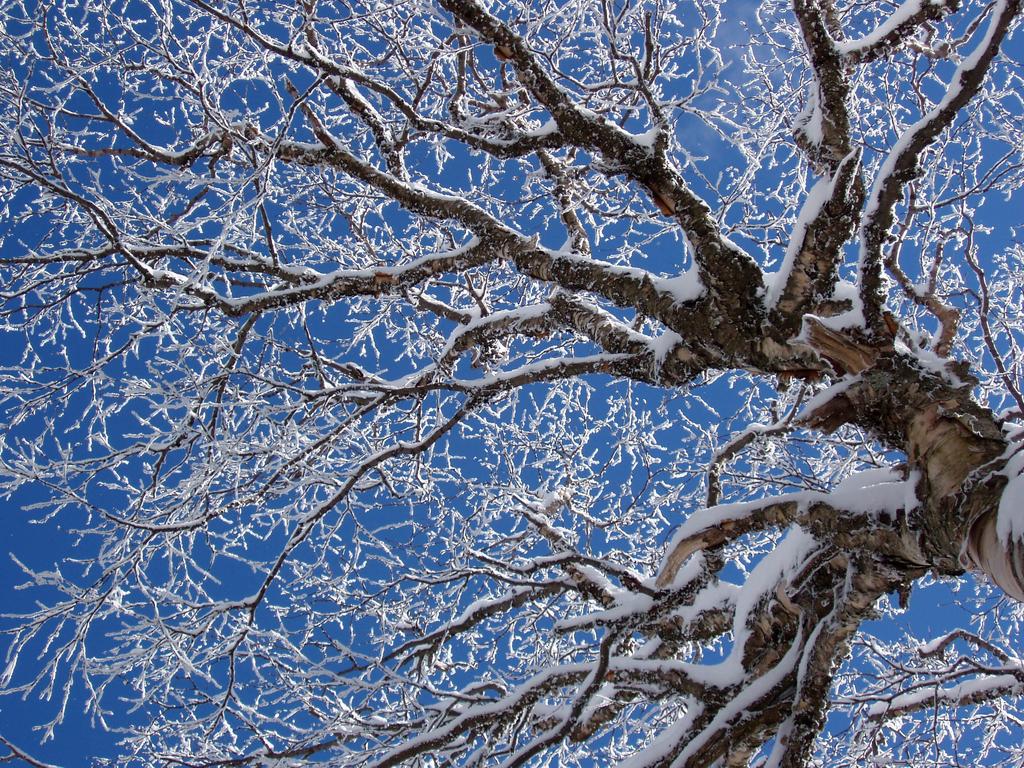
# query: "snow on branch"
[901,164]
[895,31]
[407,386]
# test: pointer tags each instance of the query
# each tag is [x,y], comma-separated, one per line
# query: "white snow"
[776,282]
[873,491]
[647,138]
[720,594]
[746,698]
[713,517]
[684,287]
[664,344]
[908,136]
[549,127]
[504,316]
[779,748]
[1010,517]
[690,569]
[773,568]
[954,694]
[665,741]
[810,116]
[932,646]
[534,370]
[627,604]
[900,16]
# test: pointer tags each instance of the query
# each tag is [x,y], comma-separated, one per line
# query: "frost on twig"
[509,383]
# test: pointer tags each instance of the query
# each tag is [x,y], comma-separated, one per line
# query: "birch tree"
[451,382]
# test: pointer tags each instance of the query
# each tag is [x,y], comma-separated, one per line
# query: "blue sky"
[40,546]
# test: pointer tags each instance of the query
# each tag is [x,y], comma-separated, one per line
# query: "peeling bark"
[539,273]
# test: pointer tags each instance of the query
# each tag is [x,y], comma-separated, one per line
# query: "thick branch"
[896,31]
[815,250]
[723,266]
[829,140]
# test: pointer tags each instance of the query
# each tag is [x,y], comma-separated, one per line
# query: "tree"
[551,383]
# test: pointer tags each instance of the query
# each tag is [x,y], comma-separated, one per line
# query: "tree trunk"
[956,448]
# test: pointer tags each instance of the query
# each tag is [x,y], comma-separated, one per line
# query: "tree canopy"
[544,382]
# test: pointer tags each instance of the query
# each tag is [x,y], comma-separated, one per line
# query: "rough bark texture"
[252,260]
